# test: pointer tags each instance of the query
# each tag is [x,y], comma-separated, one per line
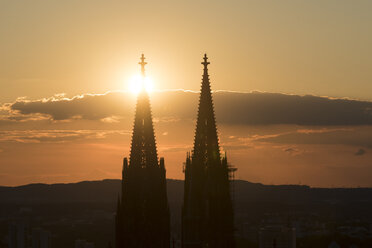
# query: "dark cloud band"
[231,108]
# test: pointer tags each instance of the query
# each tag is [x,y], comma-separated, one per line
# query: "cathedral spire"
[207,213]
[143,150]
[206,147]
[143,218]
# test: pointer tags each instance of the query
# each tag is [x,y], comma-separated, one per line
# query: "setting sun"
[185,124]
[138,82]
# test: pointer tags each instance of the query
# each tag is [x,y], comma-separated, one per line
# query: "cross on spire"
[142,63]
[205,62]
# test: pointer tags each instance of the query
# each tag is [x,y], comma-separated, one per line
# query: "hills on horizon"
[86,210]
[107,191]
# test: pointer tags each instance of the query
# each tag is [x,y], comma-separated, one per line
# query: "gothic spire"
[143,151]
[207,214]
[143,218]
[206,147]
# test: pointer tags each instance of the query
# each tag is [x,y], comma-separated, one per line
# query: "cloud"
[88,106]
[234,108]
[360,136]
[55,136]
[273,108]
[293,151]
[290,150]
[235,143]
[111,119]
[360,152]
[175,148]
[233,147]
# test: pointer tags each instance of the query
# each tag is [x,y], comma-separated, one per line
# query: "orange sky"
[75,47]
[88,50]
[270,138]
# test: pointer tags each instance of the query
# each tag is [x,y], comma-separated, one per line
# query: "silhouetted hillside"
[246,191]
[107,191]
[86,210]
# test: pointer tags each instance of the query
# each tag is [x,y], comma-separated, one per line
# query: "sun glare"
[138,82]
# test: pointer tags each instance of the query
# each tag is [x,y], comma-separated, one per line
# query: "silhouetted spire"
[143,151]
[143,212]
[206,145]
[207,214]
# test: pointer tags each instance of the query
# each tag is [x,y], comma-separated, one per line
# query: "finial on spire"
[205,62]
[142,63]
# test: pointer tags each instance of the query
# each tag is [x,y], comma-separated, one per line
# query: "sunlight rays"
[138,83]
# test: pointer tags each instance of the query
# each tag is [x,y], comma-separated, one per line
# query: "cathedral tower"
[142,218]
[207,214]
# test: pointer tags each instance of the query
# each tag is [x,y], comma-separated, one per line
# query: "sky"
[292,84]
